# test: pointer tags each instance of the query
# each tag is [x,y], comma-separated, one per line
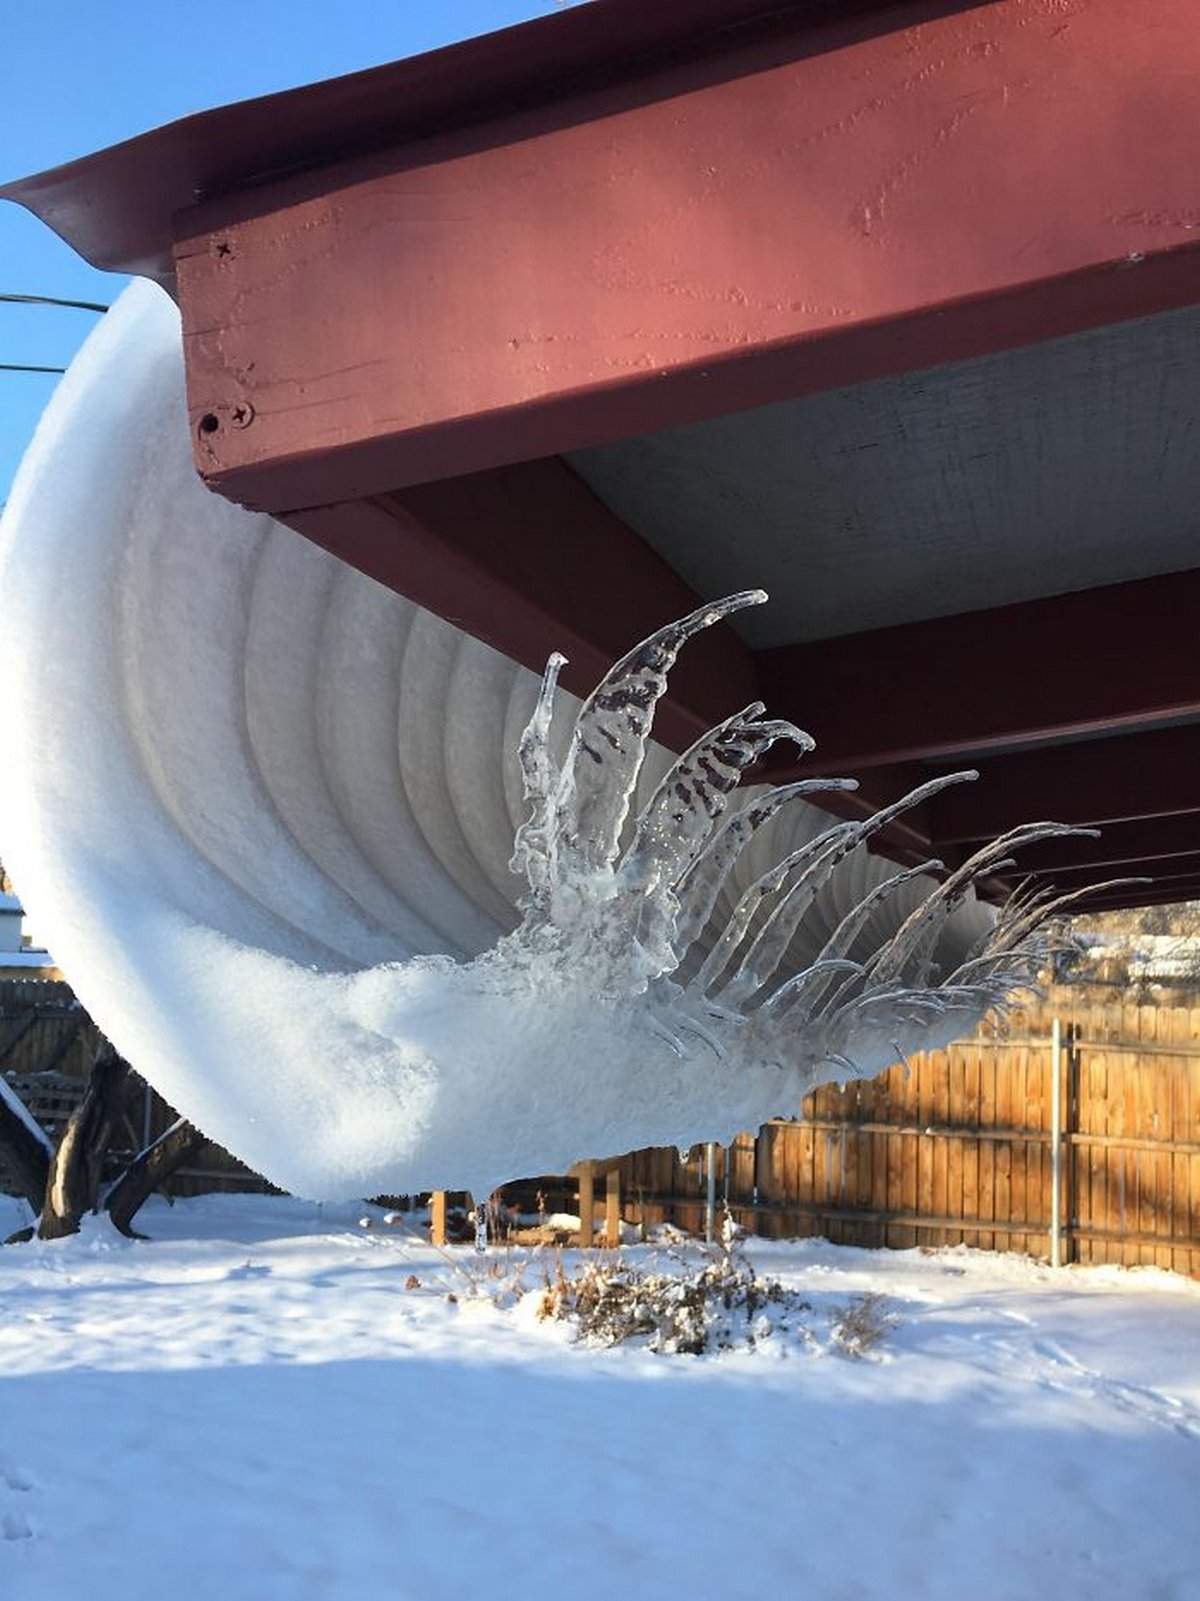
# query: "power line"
[51,300]
[43,300]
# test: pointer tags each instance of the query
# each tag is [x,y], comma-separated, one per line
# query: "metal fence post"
[1056,1143]
[710,1194]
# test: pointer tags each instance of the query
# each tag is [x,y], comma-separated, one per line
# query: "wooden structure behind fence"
[43,1029]
[958,1147]
[47,1046]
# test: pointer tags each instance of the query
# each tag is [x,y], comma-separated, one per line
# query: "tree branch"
[73,1184]
[148,1170]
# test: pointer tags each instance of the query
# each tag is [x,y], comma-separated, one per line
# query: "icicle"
[690,801]
[693,1026]
[800,995]
[847,931]
[766,884]
[598,1023]
[705,878]
[770,944]
[911,938]
[533,844]
[610,736]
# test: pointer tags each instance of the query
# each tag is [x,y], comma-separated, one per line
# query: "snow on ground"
[254,1405]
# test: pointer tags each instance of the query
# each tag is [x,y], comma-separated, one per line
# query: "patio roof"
[891,308]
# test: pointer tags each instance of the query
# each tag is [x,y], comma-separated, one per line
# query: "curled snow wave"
[263,810]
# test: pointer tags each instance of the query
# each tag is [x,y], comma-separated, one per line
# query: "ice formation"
[263,810]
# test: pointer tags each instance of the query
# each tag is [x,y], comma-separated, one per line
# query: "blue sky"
[76,75]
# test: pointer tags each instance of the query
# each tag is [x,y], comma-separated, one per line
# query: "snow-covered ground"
[254,1405]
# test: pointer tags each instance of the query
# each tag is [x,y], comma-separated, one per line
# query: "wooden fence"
[960,1147]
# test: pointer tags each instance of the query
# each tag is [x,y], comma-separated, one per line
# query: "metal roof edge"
[114,206]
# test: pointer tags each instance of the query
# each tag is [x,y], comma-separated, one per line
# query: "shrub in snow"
[679,1308]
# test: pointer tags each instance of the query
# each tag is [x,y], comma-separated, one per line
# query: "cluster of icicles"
[637,918]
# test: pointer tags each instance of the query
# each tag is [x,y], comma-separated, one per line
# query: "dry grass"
[680,1307]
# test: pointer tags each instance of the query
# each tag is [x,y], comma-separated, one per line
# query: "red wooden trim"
[786,215]
[1093,782]
[529,560]
[1099,660]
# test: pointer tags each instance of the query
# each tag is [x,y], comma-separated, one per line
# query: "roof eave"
[114,207]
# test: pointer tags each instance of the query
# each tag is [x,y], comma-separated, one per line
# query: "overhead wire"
[9,298]
[51,300]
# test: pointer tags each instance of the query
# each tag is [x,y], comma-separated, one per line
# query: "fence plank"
[920,1087]
[989,1068]
[1186,1168]
[972,1063]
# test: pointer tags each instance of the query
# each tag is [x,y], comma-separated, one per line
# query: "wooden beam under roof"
[1162,891]
[528,559]
[1143,845]
[1163,870]
[628,217]
[1101,660]
[1092,783]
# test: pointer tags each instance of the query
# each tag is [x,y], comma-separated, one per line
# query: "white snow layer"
[256,1405]
[263,808]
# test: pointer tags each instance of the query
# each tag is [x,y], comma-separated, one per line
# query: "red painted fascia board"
[607,412]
